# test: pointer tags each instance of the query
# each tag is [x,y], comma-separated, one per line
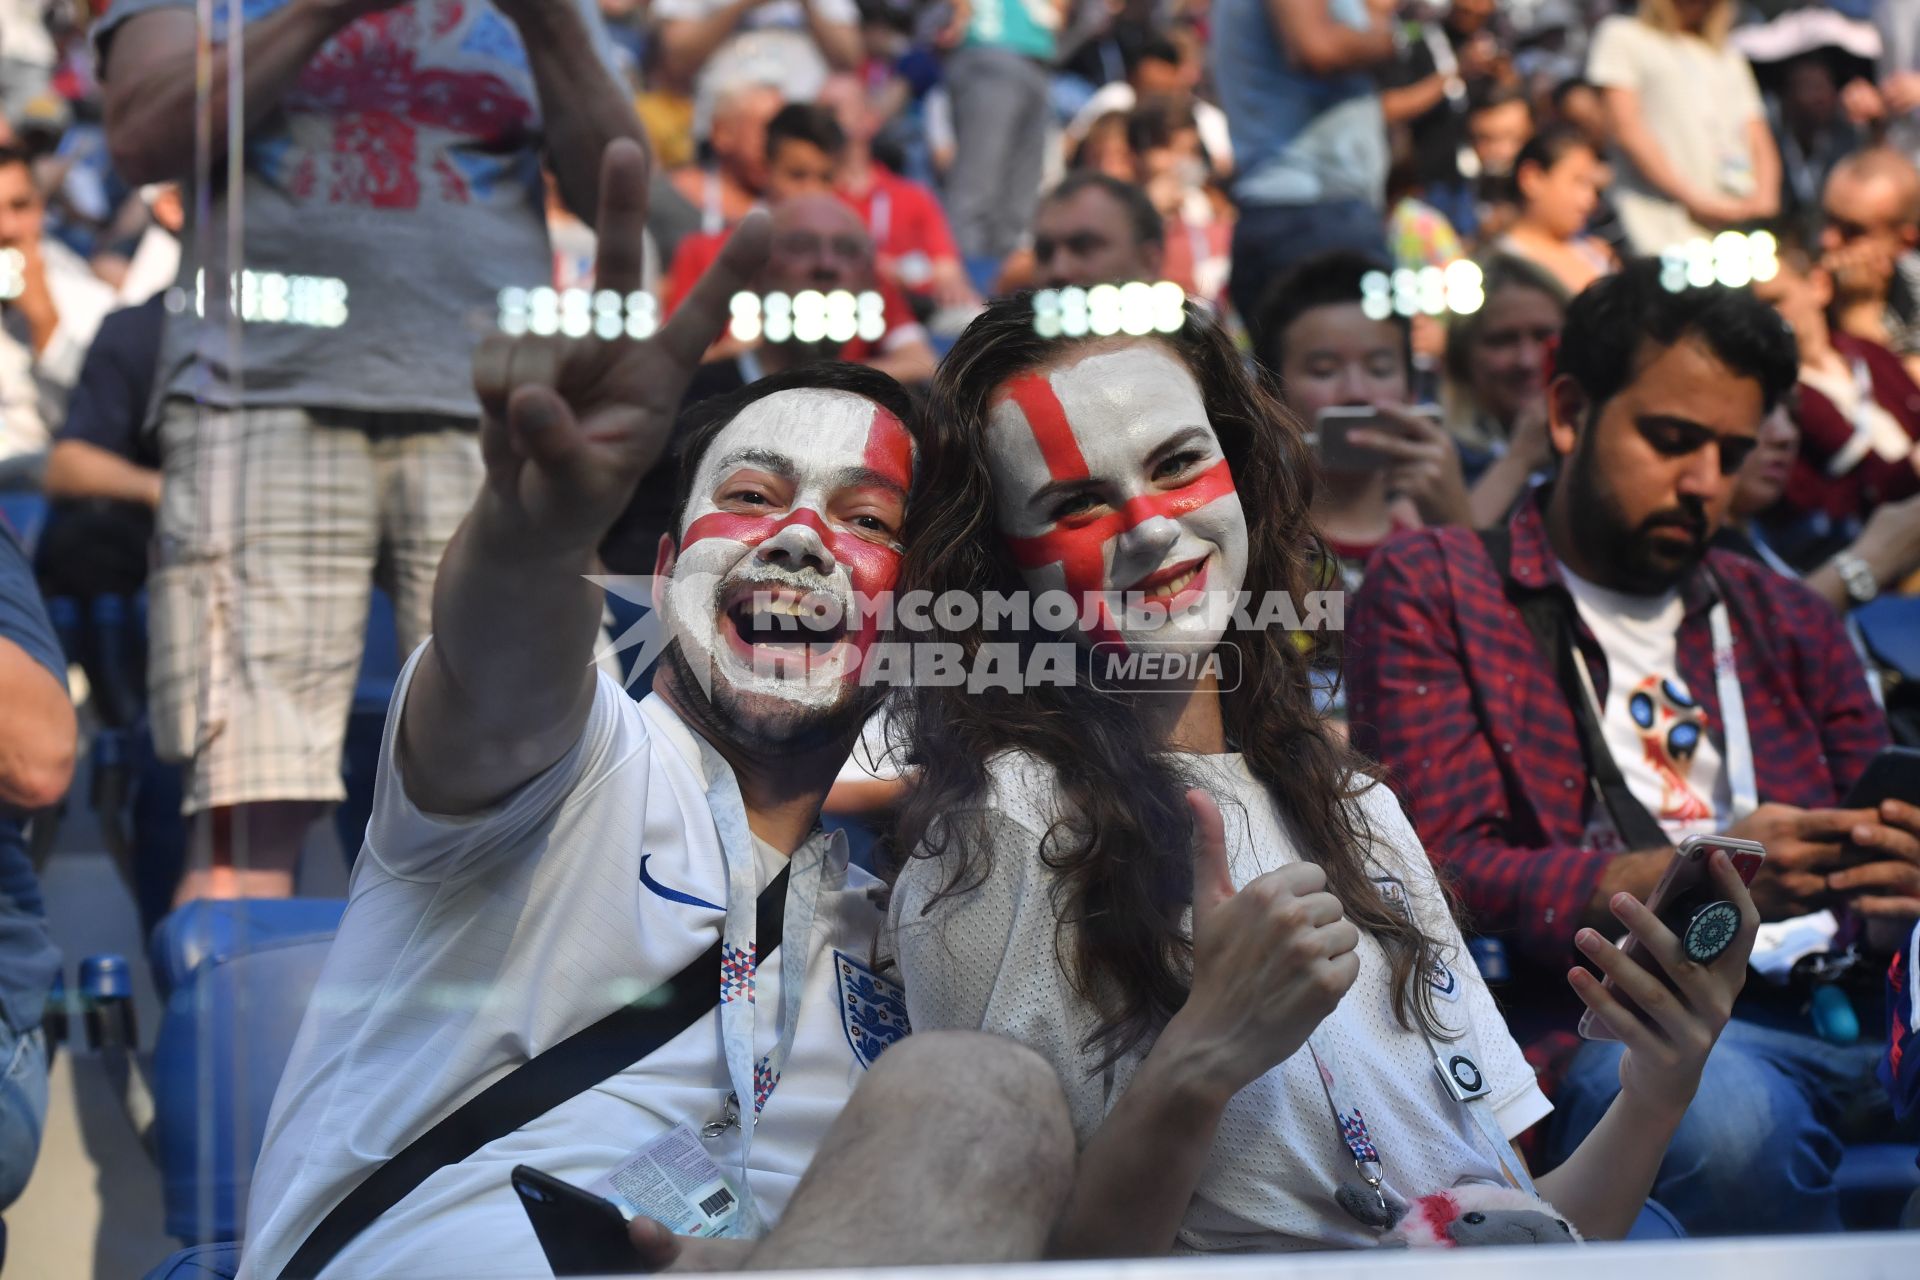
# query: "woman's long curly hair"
[1121,850]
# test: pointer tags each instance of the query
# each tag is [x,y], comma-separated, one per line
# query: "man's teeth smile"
[764,618]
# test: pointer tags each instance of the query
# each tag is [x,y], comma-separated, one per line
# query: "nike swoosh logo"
[672,895]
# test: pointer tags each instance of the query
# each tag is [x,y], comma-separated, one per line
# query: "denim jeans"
[23,1108]
[1757,1150]
[1270,239]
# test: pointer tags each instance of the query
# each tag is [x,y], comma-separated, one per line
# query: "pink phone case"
[1687,870]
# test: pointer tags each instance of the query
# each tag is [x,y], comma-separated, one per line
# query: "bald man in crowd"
[819,245]
[1872,207]
[733,182]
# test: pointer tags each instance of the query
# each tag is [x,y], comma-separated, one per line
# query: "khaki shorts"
[274,525]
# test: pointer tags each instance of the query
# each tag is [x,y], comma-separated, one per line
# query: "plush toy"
[1479,1214]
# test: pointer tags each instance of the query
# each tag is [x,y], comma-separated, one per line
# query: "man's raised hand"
[1270,961]
[570,425]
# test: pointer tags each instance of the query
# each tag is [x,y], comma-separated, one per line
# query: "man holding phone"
[1567,698]
[556,874]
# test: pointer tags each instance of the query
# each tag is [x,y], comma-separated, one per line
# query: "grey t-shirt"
[404,164]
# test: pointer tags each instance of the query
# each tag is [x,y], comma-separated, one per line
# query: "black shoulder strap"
[1549,616]
[537,1086]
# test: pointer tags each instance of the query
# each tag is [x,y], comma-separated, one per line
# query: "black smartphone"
[1894,774]
[581,1233]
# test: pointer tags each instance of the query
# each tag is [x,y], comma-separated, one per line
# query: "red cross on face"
[1109,470]
[830,490]
[796,507]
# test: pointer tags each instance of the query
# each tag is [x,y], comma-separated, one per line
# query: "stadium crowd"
[1573,346]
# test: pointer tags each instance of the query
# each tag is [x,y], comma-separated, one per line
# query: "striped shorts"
[274,525]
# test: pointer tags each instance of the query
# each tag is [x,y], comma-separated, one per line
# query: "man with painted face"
[544,850]
[1470,660]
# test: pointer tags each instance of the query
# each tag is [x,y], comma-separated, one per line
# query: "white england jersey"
[469,945]
[987,959]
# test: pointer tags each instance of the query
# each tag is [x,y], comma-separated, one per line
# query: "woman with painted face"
[1187,894]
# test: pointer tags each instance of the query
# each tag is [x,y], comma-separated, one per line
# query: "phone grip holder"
[1710,931]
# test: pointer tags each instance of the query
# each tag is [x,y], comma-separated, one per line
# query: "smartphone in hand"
[1332,440]
[1893,774]
[581,1233]
[1685,887]
[1332,426]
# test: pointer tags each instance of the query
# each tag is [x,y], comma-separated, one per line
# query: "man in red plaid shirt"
[1471,657]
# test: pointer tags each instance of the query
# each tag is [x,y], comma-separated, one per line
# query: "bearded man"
[1566,698]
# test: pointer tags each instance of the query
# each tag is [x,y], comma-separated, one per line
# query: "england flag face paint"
[1111,484]
[796,507]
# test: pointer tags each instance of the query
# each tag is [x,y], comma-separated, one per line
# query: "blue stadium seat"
[25,512]
[1891,628]
[237,977]
[202,1262]
[208,929]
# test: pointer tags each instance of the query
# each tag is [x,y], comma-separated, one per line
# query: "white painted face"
[1109,482]
[796,506]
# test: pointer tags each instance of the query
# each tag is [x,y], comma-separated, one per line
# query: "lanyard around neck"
[1464,1080]
[740,958]
[1860,419]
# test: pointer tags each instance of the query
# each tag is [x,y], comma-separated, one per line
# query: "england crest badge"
[1393,892]
[872,1009]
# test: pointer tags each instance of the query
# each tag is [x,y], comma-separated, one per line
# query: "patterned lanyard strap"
[1460,1075]
[1733,716]
[740,959]
[1463,1079]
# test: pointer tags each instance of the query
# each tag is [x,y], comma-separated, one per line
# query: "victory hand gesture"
[570,425]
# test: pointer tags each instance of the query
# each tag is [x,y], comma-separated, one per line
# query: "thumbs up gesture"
[1270,961]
